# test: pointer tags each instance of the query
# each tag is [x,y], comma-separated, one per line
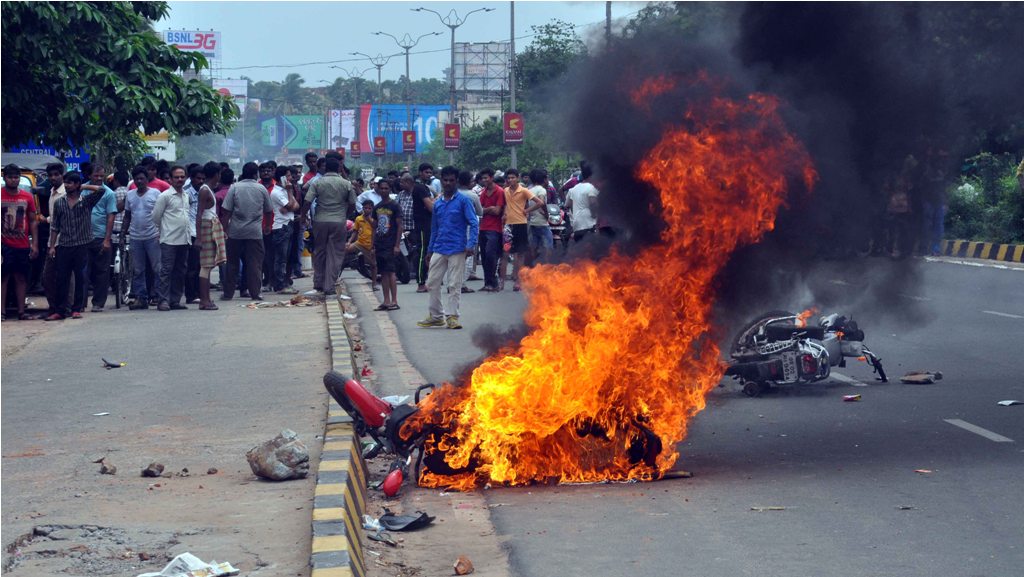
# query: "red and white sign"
[409,141]
[513,127]
[355,149]
[206,43]
[340,150]
[452,134]
[380,145]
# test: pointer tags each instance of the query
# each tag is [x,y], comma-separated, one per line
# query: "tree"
[94,73]
[554,49]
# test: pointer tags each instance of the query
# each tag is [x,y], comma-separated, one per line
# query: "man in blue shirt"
[102,219]
[450,245]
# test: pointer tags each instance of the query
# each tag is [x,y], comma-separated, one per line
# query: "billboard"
[512,123]
[73,156]
[236,89]
[341,127]
[481,66]
[452,133]
[390,120]
[206,43]
[295,132]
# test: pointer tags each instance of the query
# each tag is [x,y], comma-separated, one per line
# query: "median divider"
[340,496]
[983,250]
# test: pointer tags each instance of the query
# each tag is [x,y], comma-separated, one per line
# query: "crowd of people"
[182,222]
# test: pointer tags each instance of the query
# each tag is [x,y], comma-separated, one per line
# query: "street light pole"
[379,61]
[452,21]
[406,43]
[512,73]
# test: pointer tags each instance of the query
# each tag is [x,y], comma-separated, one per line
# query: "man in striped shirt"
[71,224]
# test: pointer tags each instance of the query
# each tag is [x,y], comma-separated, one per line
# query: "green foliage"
[554,49]
[93,73]
[677,17]
[987,207]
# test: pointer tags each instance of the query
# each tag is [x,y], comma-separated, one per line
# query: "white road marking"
[979,431]
[848,380]
[971,263]
[912,297]
[1007,315]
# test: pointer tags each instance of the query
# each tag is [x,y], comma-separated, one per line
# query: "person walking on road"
[70,235]
[333,195]
[210,241]
[386,245]
[20,237]
[171,217]
[449,246]
[244,206]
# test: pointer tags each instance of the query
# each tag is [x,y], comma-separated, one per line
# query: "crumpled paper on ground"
[188,565]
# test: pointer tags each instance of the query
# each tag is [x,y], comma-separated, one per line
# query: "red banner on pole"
[409,141]
[380,145]
[513,124]
[355,149]
[452,134]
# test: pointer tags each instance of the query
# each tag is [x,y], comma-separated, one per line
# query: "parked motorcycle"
[557,222]
[780,348]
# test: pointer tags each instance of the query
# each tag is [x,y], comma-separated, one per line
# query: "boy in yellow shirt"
[361,240]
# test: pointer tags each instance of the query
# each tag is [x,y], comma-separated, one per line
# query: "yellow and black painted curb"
[339,499]
[983,250]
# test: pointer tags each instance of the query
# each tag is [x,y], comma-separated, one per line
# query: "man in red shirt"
[19,236]
[154,182]
[311,163]
[492,199]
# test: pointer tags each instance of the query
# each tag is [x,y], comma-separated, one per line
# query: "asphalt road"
[843,472]
[199,390]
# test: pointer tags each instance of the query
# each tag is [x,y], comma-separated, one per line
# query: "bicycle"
[121,271]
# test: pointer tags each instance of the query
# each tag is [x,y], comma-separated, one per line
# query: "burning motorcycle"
[781,348]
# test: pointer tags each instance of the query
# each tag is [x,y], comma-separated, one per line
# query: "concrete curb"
[983,250]
[340,496]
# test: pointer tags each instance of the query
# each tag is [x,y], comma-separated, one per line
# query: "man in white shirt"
[581,200]
[170,214]
[284,205]
[370,193]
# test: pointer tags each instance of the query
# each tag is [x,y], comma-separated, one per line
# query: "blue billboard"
[390,120]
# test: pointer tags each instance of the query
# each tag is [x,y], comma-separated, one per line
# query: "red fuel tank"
[374,411]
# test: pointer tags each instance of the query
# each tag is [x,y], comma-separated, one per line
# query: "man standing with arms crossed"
[449,246]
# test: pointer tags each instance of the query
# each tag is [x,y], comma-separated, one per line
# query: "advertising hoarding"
[513,127]
[206,42]
[390,120]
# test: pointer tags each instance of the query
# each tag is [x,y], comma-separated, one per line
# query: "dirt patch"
[90,550]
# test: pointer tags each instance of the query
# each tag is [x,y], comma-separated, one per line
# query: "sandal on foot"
[394,307]
[382,307]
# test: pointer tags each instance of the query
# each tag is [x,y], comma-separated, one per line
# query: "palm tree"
[292,95]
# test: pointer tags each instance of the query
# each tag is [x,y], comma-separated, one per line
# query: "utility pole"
[452,21]
[512,72]
[608,24]
[407,44]
[379,61]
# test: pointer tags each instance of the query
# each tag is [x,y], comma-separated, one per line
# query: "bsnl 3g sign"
[206,43]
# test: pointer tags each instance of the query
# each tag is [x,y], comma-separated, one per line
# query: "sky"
[269,40]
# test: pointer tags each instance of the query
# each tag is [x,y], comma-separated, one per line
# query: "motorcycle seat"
[785,331]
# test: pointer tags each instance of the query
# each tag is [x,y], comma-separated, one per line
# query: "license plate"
[789,366]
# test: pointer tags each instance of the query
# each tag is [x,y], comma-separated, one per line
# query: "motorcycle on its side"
[781,348]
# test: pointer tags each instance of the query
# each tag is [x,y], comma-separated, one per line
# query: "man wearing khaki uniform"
[333,195]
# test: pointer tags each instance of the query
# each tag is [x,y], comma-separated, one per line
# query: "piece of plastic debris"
[112,365]
[349,316]
[344,297]
[906,507]
[395,400]
[1009,403]
[100,414]
[851,398]
[391,522]
[188,565]
[463,566]
[366,372]
[923,471]
[153,470]
[768,508]
[677,474]
[921,377]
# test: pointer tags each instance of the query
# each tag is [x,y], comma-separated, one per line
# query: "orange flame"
[620,354]
[651,88]
[801,319]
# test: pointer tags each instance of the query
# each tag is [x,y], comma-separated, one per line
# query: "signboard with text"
[380,145]
[513,127]
[206,43]
[409,141]
[390,120]
[355,149]
[294,132]
[452,133]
